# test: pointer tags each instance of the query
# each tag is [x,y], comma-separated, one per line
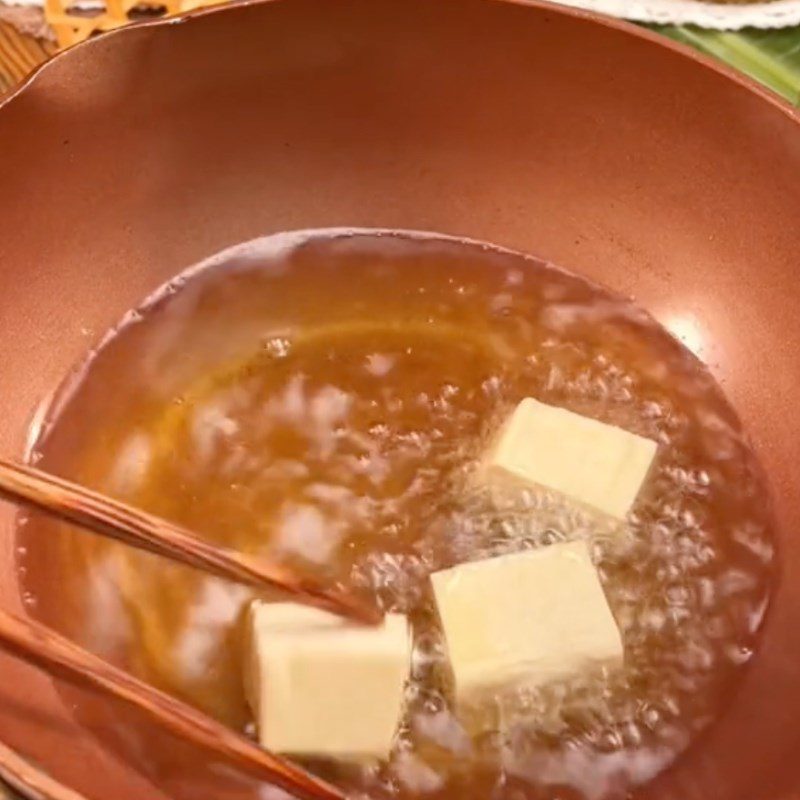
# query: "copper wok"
[585,141]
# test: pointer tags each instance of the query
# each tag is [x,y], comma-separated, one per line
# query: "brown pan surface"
[583,141]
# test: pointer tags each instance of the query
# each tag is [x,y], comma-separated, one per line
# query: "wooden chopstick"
[21,776]
[76,504]
[44,648]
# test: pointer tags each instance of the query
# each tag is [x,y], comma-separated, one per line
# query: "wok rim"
[743,81]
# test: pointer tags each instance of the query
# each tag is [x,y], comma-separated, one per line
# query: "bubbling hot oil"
[325,400]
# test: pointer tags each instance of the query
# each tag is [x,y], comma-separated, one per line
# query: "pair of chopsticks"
[44,648]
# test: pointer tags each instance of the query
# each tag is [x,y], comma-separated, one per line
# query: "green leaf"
[771,57]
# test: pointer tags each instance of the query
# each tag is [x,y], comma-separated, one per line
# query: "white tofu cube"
[324,687]
[525,619]
[598,465]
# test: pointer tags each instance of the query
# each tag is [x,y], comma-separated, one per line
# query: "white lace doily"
[777,14]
